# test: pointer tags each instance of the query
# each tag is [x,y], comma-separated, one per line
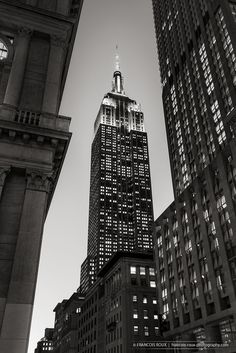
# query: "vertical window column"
[222,249]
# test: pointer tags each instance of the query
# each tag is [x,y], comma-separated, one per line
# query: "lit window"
[142,271]
[153,284]
[144,300]
[146,331]
[135,330]
[135,314]
[133,270]
[135,298]
[145,314]
[154,301]
[151,271]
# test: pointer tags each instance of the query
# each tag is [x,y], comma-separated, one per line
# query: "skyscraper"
[195,238]
[120,208]
[36,41]
[196,45]
[115,307]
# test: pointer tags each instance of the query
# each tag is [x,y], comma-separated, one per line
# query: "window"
[151,271]
[145,314]
[135,330]
[156,328]
[143,282]
[227,329]
[144,300]
[154,301]
[132,270]
[142,271]
[155,316]
[134,281]
[135,314]
[135,298]
[3,51]
[146,331]
[152,284]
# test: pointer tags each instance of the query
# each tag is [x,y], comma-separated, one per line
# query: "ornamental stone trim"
[58,41]
[25,31]
[38,180]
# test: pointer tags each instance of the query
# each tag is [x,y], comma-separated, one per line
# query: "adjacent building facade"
[120,310]
[36,40]
[120,209]
[195,238]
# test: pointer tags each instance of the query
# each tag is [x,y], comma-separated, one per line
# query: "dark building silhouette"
[195,238]
[120,209]
[65,334]
[46,343]
[36,41]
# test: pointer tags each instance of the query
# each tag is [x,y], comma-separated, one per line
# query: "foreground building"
[195,238]
[120,209]
[118,312]
[36,40]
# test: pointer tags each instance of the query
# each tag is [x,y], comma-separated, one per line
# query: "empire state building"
[120,208]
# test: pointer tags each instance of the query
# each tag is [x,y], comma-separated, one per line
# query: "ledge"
[23,117]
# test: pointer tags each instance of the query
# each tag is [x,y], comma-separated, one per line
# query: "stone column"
[53,80]
[19,304]
[3,173]
[16,76]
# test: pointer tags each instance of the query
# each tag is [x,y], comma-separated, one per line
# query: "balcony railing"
[27,117]
[34,119]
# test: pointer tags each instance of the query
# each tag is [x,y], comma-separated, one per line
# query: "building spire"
[117,85]
[117,67]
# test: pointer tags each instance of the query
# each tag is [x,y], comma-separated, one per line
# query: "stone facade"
[36,43]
